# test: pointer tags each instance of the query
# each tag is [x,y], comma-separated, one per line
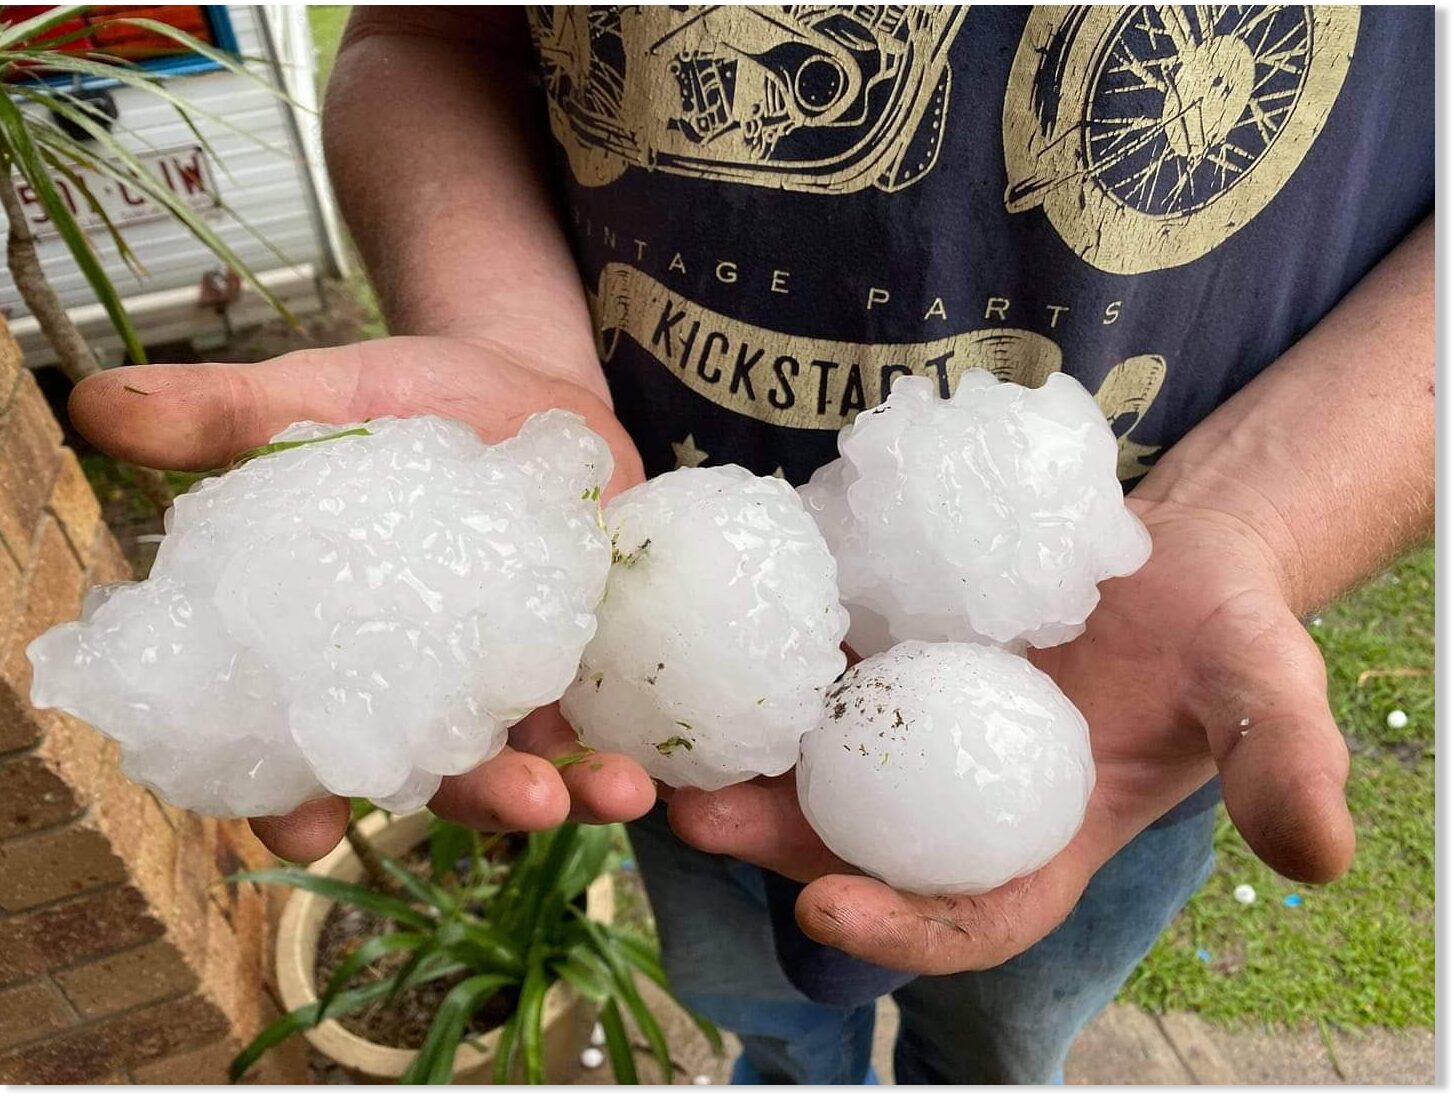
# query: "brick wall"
[124,955]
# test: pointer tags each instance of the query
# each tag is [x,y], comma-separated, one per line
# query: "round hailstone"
[356,611]
[990,516]
[946,768]
[719,631]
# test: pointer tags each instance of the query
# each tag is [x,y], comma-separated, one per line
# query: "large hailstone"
[719,631]
[946,768]
[358,615]
[990,516]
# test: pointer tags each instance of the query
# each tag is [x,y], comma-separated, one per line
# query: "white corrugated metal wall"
[261,177]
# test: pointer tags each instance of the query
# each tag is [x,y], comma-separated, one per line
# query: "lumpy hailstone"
[357,615]
[990,516]
[719,631]
[946,768]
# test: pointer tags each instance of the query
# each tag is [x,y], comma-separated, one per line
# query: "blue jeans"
[1010,1024]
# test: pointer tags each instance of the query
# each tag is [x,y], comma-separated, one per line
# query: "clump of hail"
[946,767]
[719,631]
[987,517]
[965,530]
[355,610]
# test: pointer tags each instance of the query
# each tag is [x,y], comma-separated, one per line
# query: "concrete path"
[1125,1045]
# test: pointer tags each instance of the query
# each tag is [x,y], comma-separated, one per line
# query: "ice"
[990,516]
[719,631]
[946,768]
[358,615]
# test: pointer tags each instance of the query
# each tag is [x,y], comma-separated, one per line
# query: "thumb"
[1259,688]
[201,417]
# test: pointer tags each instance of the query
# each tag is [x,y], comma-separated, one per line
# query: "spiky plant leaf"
[19,152]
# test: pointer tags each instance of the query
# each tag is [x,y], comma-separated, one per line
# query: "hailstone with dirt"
[719,631]
[356,611]
[946,768]
[990,516]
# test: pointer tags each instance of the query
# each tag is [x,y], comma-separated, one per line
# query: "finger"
[937,935]
[1260,691]
[603,787]
[514,791]
[757,822]
[201,417]
[306,833]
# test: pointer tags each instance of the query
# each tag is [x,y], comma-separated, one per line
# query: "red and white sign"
[185,172]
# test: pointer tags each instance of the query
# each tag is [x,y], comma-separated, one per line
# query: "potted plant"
[67,136]
[504,942]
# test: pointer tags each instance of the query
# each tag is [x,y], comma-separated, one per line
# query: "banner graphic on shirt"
[821,98]
[1151,134]
[799,381]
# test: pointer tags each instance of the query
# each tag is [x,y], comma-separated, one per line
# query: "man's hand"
[1304,483]
[200,417]
[1193,665]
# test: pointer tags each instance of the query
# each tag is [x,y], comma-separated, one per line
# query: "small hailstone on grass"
[598,1035]
[1398,719]
[701,1080]
[359,611]
[1244,894]
[946,768]
[592,1058]
[719,631]
[988,517]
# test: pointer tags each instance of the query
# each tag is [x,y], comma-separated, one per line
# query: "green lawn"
[326,21]
[1360,951]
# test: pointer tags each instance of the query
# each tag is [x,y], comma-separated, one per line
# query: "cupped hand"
[1193,666]
[200,417]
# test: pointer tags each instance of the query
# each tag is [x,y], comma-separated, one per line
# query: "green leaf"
[228,61]
[583,971]
[311,1014]
[707,1029]
[366,954]
[643,956]
[391,907]
[627,993]
[21,152]
[360,807]
[505,1052]
[37,25]
[51,44]
[435,1062]
[494,948]
[305,1017]
[132,77]
[586,861]
[291,444]
[571,759]
[618,1045]
[70,175]
[60,99]
[528,1012]
[422,891]
[449,844]
[640,953]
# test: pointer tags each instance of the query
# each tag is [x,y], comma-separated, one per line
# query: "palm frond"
[22,154]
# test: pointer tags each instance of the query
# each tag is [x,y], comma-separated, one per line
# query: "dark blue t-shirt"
[778,211]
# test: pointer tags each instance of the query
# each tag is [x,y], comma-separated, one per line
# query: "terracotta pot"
[566,1020]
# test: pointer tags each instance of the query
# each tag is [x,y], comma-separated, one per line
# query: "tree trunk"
[374,871]
[65,338]
[76,358]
